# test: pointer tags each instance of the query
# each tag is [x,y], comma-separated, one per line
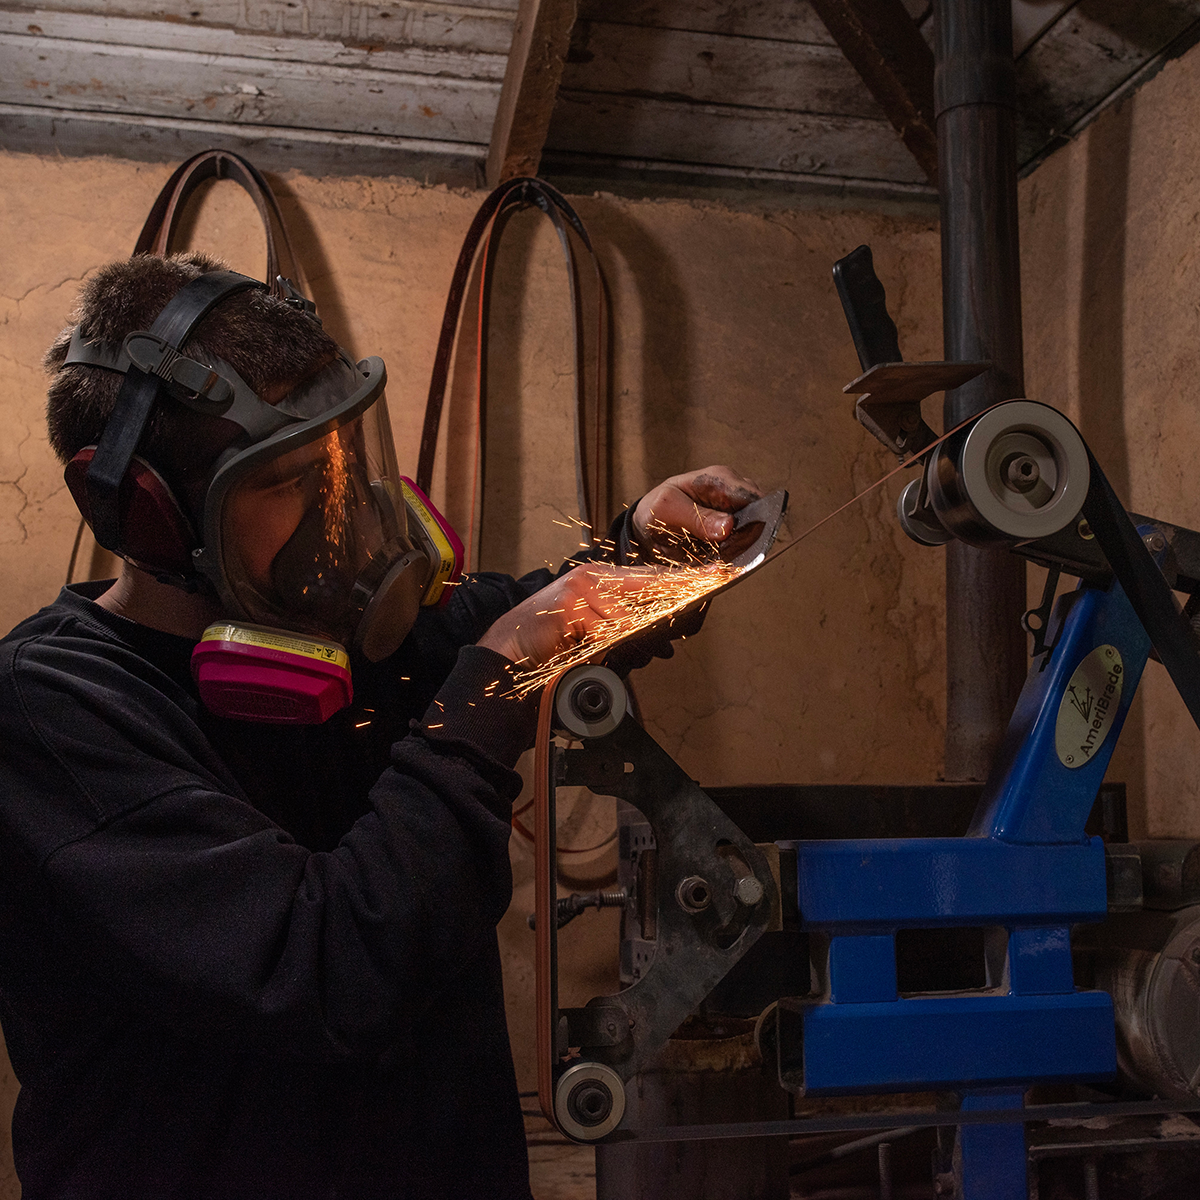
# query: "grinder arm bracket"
[716,893]
[891,390]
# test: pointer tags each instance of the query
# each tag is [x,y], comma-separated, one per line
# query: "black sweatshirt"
[244,960]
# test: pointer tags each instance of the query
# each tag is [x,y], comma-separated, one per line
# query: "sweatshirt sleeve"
[163,889]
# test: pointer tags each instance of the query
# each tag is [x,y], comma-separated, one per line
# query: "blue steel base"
[1026,873]
[990,1161]
[946,1043]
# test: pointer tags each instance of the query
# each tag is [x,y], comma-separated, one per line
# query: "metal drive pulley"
[1018,473]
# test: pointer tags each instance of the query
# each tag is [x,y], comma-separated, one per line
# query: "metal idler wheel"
[590,701]
[589,1101]
[1020,472]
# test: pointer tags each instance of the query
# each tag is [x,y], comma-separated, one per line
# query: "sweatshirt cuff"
[474,712]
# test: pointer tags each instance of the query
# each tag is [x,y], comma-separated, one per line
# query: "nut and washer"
[694,894]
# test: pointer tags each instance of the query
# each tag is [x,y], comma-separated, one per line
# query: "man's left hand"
[687,509]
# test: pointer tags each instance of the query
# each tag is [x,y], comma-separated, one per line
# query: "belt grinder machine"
[802,927]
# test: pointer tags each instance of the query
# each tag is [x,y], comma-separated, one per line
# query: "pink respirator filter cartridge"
[251,673]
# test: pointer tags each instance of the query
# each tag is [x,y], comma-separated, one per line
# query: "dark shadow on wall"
[508,347]
[664,389]
[456,462]
[305,241]
[314,262]
[1101,366]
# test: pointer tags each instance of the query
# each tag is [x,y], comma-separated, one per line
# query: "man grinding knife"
[254,958]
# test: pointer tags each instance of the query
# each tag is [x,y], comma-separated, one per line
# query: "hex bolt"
[694,894]
[748,891]
[1021,473]
[1155,542]
[591,700]
[590,1102]
[910,421]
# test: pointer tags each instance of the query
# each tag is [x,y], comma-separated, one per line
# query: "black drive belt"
[1145,586]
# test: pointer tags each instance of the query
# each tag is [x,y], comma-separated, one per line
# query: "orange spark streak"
[664,594]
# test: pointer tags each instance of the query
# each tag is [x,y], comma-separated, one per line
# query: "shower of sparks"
[664,594]
[335,490]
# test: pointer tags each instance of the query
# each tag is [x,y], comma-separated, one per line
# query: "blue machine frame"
[1026,870]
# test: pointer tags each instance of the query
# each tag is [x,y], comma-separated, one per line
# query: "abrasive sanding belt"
[163,221]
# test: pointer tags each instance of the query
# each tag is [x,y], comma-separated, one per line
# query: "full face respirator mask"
[309,538]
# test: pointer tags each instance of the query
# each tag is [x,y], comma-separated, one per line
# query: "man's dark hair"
[269,343]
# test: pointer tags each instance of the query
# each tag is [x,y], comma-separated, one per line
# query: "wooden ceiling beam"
[886,48]
[541,37]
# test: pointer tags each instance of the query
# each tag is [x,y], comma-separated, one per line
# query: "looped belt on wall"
[591,469]
[163,220]
[286,279]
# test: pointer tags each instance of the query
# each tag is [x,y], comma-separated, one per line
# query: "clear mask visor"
[308,537]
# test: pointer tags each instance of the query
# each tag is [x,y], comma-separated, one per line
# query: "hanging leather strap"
[163,221]
[155,238]
[510,196]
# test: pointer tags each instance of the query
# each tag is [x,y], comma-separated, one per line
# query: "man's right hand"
[562,614]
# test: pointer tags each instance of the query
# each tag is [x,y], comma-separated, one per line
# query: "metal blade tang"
[768,511]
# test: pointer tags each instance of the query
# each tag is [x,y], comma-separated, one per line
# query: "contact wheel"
[1018,473]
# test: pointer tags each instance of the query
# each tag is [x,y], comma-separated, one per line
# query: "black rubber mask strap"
[194,301]
[115,451]
[138,396]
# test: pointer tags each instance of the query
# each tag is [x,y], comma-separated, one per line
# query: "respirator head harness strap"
[145,382]
[307,534]
[113,487]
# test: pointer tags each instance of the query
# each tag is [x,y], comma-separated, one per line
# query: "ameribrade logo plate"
[1089,707]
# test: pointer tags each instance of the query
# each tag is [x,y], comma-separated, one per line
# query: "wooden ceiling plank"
[1085,56]
[541,37]
[57,73]
[886,48]
[730,136]
[790,21]
[416,58]
[714,69]
[1031,18]
[466,24]
[25,128]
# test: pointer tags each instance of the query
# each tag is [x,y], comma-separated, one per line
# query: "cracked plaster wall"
[1111,268]
[729,346]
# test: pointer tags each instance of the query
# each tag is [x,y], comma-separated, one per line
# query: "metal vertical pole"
[981,306]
